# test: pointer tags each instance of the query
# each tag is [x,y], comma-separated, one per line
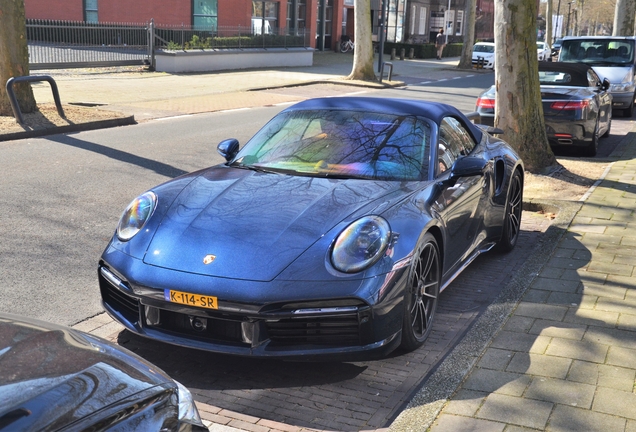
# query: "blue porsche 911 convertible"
[329,235]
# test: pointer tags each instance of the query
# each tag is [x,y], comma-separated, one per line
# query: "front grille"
[337,330]
[126,305]
[221,329]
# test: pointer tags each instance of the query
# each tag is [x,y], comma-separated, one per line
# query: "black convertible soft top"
[577,72]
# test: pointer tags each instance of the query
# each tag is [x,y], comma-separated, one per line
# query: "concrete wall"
[215,60]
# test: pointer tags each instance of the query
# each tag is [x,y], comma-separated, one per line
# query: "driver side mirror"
[605,85]
[468,166]
[228,148]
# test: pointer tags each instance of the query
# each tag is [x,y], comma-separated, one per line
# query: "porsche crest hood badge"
[208,259]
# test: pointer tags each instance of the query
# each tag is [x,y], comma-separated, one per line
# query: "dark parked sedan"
[56,378]
[329,235]
[577,106]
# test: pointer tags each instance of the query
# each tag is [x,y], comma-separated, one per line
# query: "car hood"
[51,376]
[241,224]
[615,74]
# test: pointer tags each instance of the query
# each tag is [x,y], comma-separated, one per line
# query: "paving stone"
[584,372]
[495,358]
[568,419]
[580,350]
[614,337]
[520,342]
[627,321]
[453,423]
[486,380]
[550,312]
[627,306]
[519,324]
[571,300]
[591,317]
[555,284]
[558,329]
[539,365]
[619,356]
[615,402]
[561,392]
[516,411]
[465,403]
[603,290]
[617,377]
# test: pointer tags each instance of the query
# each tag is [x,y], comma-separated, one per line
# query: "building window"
[90,11]
[204,14]
[295,15]
[418,20]
[264,17]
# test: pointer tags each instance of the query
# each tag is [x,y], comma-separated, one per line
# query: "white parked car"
[544,53]
[484,55]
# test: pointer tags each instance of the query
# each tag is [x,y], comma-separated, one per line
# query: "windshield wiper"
[254,168]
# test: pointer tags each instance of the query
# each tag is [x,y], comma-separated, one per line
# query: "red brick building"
[325,20]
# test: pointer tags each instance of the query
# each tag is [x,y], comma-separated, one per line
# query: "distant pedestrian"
[440,43]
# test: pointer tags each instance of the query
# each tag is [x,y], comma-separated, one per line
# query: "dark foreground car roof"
[432,110]
[53,377]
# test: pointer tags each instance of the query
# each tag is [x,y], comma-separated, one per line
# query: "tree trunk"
[624,14]
[518,108]
[14,56]
[362,68]
[466,59]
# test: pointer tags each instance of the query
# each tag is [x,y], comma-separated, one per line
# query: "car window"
[454,142]
[484,48]
[562,78]
[339,143]
[598,50]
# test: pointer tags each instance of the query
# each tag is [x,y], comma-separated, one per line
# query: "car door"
[457,203]
[604,99]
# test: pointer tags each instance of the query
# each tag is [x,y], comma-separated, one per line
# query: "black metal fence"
[69,44]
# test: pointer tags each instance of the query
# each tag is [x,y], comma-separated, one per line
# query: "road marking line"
[173,117]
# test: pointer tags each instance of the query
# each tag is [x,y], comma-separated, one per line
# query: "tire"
[422,292]
[512,215]
[629,112]
[609,128]
[344,47]
[590,150]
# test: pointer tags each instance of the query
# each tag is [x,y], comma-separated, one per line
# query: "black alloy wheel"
[609,128]
[512,215]
[592,147]
[420,300]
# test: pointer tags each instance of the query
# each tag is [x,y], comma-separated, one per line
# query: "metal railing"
[69,44]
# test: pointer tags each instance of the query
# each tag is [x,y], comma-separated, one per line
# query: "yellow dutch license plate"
[203,301]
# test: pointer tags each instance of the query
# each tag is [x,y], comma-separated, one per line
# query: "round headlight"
[361,244]
[135,216]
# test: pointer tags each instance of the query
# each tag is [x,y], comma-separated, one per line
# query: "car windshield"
[341,144]
[605,51]
[484,48]
[540,45]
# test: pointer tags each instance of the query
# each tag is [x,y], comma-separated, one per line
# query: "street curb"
[352,83]
[79,127]
[437,390]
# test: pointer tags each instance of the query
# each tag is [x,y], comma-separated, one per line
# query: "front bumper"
[329,329]
[622,100]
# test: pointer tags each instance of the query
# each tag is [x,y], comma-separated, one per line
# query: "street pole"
[381,37]
[452,22]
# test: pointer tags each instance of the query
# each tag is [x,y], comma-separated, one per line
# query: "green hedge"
[423,51]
